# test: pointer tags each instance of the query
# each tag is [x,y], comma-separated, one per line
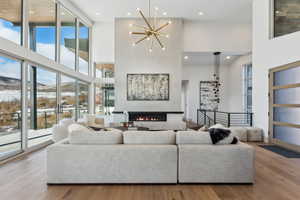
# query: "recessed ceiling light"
[129,13]
[186,57]
[164,13]
[228,57]
[169,22]
[130,25]
[200,13]
[97,13]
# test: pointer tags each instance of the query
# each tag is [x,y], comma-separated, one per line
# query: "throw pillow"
[78,127]
[222,136]
[203,128]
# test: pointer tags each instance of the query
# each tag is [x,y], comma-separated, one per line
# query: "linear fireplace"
[148,116]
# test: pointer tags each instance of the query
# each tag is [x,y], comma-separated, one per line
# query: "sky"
[45,44]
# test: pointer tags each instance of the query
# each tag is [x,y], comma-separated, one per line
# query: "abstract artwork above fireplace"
[148,87]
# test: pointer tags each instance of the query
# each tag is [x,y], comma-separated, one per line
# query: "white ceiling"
[208,58]
[213,10]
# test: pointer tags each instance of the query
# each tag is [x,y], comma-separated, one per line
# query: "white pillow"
[89,119]
[66,122]
[218,126]
[78,127]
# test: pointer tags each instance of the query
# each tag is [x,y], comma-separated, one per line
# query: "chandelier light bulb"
[164,48]
[150,50]
[133,44]
[167,36]
[138,9]
[130,25]
[148,38]
[130,33]
[156,8]
[169,22]
[164,13]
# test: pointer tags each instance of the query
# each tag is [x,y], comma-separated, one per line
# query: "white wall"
[196,73]
[197,37]
[104,42]
[213,36]
[235,83]
[138,59]
[268,53]
[231,91]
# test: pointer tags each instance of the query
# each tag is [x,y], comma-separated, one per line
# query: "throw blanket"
[218,134]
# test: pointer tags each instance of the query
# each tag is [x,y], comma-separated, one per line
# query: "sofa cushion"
[95,137]
[66,122]
[240,132]
[254,134]
[193,137]
[78,127]
[149,137]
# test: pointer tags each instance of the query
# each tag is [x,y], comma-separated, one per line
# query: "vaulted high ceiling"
[212,10]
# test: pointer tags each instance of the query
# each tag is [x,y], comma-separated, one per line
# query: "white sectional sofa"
[147,157]
[201,162]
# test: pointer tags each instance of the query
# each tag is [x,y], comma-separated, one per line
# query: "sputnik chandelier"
[150,31]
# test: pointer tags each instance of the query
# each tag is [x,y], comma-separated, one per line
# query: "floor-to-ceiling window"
[68,97]
[10,105]
[83,50]
[42,109]
[247,91]
[36,85]
[42,27]
[11,20]
[67,38]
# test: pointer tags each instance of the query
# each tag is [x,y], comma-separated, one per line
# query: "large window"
[104,91]
[42,27]
[68,98]
[83,49]
[286,17]
[10,105]
[83,98]
[11,20]
[42,104]
[67,38]
[247,83]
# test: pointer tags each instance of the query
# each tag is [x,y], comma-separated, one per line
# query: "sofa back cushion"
[193,137]
[149,137]
[95,137]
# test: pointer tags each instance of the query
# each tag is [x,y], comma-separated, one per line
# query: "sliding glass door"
[42,104]
[285,106]
[10,106]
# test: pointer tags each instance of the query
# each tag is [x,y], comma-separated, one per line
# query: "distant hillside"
[7,83]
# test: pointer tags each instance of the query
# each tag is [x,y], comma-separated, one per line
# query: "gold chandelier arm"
[163,26]
[140,26]
[142,39]
[138,33]
[146,21]
[158,40]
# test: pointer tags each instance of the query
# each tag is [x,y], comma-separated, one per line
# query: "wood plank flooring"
[277,178]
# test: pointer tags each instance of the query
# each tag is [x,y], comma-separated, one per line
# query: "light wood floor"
[276,178]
